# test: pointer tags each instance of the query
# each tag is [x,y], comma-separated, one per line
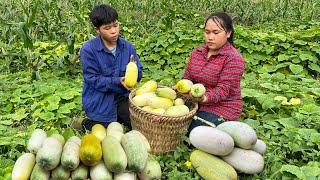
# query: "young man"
[104,60]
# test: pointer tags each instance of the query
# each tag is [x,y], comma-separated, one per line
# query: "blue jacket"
[101,73]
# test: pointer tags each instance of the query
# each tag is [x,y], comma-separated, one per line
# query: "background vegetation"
[40,79]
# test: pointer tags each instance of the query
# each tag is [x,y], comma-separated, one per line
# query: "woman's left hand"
[201,99]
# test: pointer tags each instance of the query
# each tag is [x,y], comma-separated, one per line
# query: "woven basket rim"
[192,111]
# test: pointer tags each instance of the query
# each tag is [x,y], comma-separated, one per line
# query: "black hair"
[224,21]
[103,14]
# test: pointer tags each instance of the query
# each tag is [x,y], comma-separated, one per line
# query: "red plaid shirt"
[221,75]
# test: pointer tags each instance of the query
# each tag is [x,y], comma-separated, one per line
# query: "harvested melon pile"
[102,154]
[163,100]
[231,146]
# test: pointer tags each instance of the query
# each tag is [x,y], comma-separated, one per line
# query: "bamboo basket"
[163,132]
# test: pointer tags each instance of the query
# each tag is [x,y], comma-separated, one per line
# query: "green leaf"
[246,92]
[46,89]
[70,94]
[6,122]
[293,170]
[68,133]
[282,65]
[283,57]
[306,133]
[278,76]
[52,107]
[288,122]
[309,109]
[300,42]
[65,109]
[36,113]
[315,137]
[306,56]
[285,45]
[252,122]
[314,67]
[19,114]
[47,116]
[311,171]
[265,101]
[53,101]
[269,49]
[296,69]
[267,86]
[268,104]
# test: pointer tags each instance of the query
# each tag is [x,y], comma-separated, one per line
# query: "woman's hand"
[188,96]
[201,99]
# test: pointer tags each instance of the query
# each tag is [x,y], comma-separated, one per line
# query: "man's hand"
[123,84]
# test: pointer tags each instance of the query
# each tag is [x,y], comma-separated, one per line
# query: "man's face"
[109,32]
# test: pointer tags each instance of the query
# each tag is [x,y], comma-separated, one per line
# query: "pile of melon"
[231,146]
[163,100]
[103,154]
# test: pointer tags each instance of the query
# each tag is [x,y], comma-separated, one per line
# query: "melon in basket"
[178,110]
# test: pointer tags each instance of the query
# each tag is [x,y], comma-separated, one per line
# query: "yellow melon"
[90,150]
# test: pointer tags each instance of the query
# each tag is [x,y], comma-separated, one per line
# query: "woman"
[219,67]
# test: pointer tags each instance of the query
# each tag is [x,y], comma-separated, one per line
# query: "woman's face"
[215,36]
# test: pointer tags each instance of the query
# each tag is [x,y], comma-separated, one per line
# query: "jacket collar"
[100,46]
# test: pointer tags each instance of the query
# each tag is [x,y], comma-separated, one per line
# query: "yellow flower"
[295,101]
[188,164]
[59,50]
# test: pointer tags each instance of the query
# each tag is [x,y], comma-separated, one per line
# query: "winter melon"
[260,147]
[178,110]
[211,140]
[184,85]
[70,154]
[149,86]
[23,167]
[48,156]
[243,135]
[151,171]
[90,150]
[159,102]
[114,156]
[131,75]
[99,131]
[135,150]
[246,161]
[211,167]
[36,140]
[142,99]
[166,92]
[100,172]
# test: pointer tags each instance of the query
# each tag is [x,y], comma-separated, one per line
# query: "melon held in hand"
[198,90]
